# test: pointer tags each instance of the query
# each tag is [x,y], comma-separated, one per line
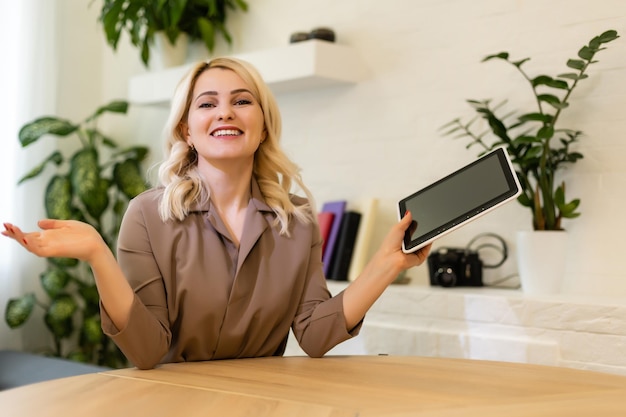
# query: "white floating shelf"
[299,66]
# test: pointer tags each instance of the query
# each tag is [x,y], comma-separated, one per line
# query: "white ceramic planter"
[541,259]
[165,55]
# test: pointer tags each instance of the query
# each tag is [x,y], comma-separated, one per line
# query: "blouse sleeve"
[320,323]
[146,338]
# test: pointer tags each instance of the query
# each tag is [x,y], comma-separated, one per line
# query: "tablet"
[459,198]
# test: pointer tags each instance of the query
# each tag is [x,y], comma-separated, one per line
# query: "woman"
[220,261]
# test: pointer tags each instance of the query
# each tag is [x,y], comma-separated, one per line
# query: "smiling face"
[225,122]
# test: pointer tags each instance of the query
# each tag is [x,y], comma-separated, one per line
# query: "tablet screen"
[461,196]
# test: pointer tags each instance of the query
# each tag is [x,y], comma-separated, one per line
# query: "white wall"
[380,138]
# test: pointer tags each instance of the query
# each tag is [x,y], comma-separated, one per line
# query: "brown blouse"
[199,298]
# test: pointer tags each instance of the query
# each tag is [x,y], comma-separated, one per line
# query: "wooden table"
[332,386]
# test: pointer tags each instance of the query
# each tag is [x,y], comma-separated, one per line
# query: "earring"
[192,148]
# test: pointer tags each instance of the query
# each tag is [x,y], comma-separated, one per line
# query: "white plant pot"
[165,55]
[541,259]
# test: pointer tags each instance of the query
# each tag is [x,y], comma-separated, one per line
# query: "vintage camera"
[454,267]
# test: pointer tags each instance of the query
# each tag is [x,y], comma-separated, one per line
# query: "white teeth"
[226,132]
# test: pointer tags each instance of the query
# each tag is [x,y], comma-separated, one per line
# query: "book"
[340,263]
[325,221]
[337,208]
[360,254]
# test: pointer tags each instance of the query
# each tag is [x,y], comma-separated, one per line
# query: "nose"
[225,112]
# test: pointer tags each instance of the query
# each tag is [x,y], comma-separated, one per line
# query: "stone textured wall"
[493,324]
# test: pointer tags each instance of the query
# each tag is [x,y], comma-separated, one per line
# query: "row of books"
[347,235]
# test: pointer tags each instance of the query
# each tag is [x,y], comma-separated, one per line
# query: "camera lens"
[445,276]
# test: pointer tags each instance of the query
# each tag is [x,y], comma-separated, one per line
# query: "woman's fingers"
[24,239]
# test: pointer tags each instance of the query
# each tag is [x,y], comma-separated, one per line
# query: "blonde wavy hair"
[274,171]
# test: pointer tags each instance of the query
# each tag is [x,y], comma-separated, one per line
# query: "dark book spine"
[340,263]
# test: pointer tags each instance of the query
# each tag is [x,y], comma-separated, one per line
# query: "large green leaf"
[60,329]
[62,307]
[139,153]
[32,131]
[91,330]
[90,296]
[54,280]
[84,171]
[109,16]
[58,198]
[87,184]
[128,178]
[58,317]
[207,31]
[18,310]
[64,262]
[97,202]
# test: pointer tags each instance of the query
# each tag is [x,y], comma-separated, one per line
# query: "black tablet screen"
[479,186]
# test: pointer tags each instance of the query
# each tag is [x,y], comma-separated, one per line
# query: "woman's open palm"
[59,238]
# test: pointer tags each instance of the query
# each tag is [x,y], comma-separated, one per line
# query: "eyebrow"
[214,93]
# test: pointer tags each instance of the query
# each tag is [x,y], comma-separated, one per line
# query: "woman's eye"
[206,105]
[243,101]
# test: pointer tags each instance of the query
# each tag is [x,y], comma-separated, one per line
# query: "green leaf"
[58,198]
[62,307]
[87,183]
[89,293]
[520,62]
[145,52]
[91,330]
[115,106]
[608,36]
[31,132]
[64,262]
[524,200]
[545,132]
[207,32]
[55,158]
[573,76]
[549,82]
[242,5]
[127,176]
[536,117]
[18,310]
[176,9]
[501,55]
[576,64]
[586,53]
[559,196]
[569,210]
[553,100]
[60,329]
[54,280]
[111,11]
[97,202]
[58,317]
[139,153]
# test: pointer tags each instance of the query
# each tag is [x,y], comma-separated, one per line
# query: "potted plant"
[94,185]
[143,20]
[539,147]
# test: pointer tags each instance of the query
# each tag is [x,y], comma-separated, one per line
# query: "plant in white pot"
[539,148]
[146,21]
